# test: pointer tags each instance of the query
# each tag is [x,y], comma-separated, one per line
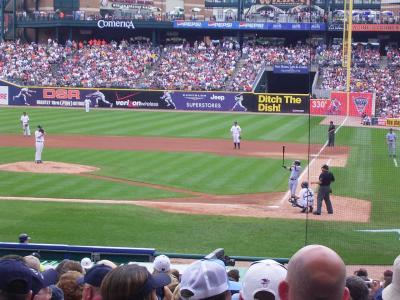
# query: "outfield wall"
[154,99]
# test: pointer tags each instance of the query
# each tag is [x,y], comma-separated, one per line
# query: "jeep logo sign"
[115,24]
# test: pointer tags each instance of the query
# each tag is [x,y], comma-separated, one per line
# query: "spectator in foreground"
[132,281]
[357,287]
[15,280]
[162,264]
[205,279]
[92,282]
[69,285]
[315,272]
[392,291]
[262,280]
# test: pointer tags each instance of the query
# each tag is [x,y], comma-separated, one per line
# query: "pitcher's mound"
[47,167]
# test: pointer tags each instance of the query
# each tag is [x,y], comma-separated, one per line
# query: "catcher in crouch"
[306,198]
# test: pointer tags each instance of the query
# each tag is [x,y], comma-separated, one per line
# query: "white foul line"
[395,162]
[286,196]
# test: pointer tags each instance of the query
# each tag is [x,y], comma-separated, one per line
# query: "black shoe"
[330,213]
[316,213]
[304,210]
[310,209]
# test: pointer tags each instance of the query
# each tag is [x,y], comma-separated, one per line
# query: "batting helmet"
[297,162]
[304,184]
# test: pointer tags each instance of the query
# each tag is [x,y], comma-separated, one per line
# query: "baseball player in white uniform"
[39,144]
[295,170]
[306,198]
[391,139]
[87,104]
[236,135]
[25,124]
[99,96]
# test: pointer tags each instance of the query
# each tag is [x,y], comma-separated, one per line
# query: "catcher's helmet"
[297,162]
[304,184]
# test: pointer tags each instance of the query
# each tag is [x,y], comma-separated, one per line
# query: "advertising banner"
[337,104]
[142,99]
[320,106]
[377,27]
[390,122]
[286,69]
[211,101]
[281,103]
[249,25]
[3,95]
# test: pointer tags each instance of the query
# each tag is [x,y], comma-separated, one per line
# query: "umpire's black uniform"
[325,179]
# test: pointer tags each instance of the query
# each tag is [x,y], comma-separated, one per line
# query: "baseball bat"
[283,155]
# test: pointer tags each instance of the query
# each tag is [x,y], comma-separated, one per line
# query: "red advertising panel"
[333,106]
[337,105]
[376,27]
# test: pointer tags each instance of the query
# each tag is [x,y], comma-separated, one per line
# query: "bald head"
[315,273]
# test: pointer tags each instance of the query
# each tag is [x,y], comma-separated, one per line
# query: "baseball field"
[172,181]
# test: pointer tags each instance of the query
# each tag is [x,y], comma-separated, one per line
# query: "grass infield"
[369,175]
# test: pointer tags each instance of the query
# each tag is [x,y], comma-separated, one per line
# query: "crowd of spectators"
[197,67]
[93,64]
[367,75]
[222,65]
[313,272]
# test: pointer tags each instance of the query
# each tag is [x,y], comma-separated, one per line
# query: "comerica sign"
[115,24]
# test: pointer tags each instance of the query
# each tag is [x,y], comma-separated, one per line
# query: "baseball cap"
[23,237]
[43,280]
[162,263]
[392,291]
[325,167]
[264,275]
[86,263]
[15,277]
[203,279]
[95,275]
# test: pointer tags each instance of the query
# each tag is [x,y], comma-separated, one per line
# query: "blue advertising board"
[290,69]
[249,25]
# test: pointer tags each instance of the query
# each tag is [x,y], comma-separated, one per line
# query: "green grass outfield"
[369,175]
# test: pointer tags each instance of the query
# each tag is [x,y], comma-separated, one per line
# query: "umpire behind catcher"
[325,179]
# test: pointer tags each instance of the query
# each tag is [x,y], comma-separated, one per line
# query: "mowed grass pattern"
[369,175]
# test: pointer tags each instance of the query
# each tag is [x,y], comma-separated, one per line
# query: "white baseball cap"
[203,279]
[392,291]
[86,263]
[162,264]
[264,275]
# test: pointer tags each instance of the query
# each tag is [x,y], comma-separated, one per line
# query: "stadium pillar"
[14,19]
[3,4]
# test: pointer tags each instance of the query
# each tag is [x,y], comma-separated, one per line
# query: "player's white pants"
[235,137]
[39,149]
[87,107]
[293,186]
[26,130]
[392,148]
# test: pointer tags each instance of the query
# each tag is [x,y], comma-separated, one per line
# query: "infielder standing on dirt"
[295,170]
[25,124]
[391,139]
[39,144]
[236,135]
